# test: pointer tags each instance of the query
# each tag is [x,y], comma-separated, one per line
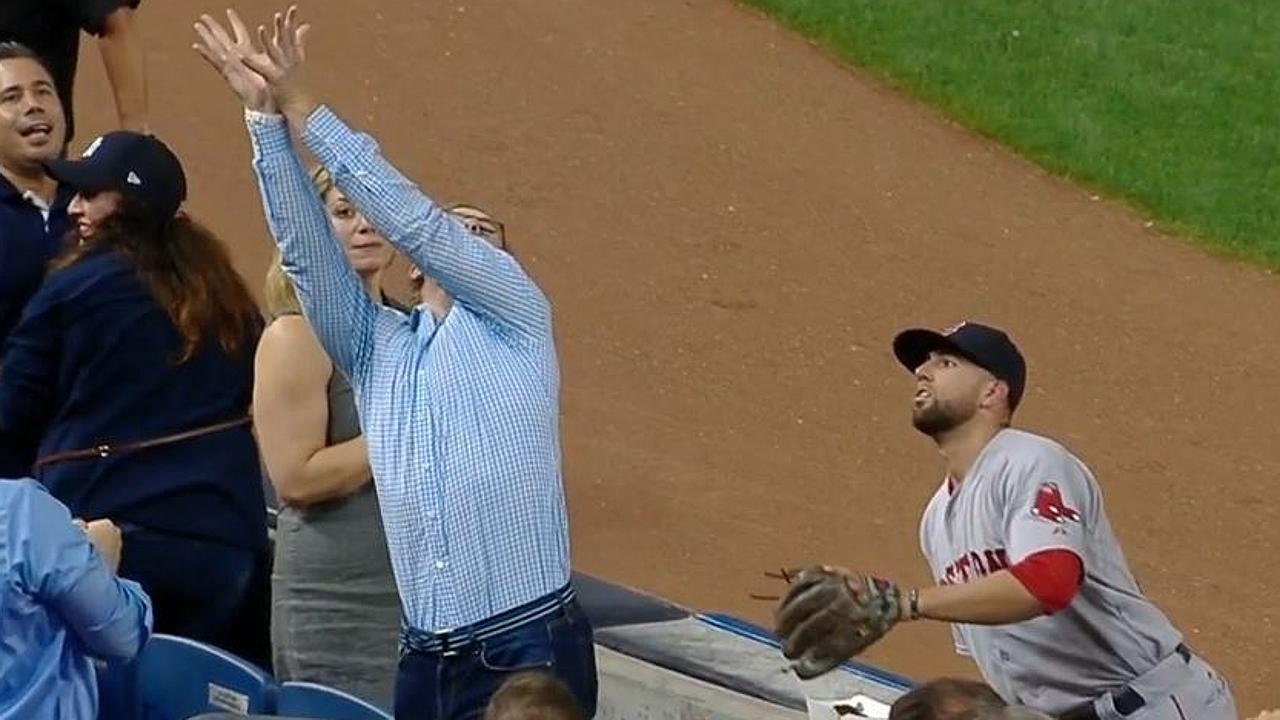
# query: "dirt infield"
[732,227]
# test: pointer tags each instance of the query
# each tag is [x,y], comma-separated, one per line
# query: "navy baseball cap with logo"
[130,163]
[984,346]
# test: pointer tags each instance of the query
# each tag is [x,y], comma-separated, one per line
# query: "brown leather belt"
[106,450]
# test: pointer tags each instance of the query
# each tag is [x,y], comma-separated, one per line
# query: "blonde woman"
[336,613]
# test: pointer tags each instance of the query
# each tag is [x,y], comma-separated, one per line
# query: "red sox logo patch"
[1050,506]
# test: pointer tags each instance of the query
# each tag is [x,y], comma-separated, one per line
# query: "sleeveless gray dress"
[336,612]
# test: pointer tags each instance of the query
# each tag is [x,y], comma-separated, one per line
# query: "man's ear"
[995,394]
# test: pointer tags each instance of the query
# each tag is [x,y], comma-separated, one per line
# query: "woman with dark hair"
[126,391]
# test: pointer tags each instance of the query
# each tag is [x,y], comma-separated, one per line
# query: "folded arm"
[332,297]
[111,616]
[479,276]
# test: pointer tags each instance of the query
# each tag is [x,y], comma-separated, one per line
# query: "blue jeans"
[433,686]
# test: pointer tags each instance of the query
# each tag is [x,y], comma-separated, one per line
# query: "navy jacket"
[92,362]
[27,244]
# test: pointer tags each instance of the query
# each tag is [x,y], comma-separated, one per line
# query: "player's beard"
[940,417]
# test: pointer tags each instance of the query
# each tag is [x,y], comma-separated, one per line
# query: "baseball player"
[1028,570]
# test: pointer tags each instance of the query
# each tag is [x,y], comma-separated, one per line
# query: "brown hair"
[13,50]
[533,696]
[187,270]
[945,699]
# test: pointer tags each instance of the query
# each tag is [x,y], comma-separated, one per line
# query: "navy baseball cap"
[130,163]
[984,346]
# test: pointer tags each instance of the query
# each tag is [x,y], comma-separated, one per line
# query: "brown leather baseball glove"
[830,615]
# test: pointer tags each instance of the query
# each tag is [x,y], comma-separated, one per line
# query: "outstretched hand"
[282,64]
[229,55]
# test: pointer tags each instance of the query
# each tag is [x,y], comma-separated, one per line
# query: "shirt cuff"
[269,131]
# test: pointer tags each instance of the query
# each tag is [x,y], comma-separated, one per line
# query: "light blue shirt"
[60,606]
[461,415]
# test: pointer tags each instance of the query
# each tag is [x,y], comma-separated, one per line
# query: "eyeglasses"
[487,228]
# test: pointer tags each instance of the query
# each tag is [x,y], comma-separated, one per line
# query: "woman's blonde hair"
[278,290]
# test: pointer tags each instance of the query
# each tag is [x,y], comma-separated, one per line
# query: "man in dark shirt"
[33,209]
[52,28]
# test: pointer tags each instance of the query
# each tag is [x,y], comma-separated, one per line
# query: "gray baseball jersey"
[1023,495]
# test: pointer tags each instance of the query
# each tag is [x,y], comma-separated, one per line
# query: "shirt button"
[439,564]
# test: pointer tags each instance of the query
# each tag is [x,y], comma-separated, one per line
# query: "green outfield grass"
[1172,105]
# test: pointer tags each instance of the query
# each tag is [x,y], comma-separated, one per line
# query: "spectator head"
[945,699]
[533,696]
[122,166]
[478,222]
[1012,712]
[33,126]
[368,252]
[129,190]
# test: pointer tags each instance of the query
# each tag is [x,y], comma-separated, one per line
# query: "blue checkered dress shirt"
[461,415]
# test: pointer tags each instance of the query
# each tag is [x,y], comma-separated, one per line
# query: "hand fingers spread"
[279,35]
[272,45]
[210,47]
[262,65]
[238,27]
[214,62]
[216,30]
[300,41]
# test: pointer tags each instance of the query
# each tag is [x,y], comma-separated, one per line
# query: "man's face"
[32,125]
[949,391]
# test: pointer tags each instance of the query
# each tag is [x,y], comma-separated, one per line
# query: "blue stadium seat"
[176,678]
[309,700]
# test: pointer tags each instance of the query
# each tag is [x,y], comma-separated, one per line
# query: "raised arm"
[477,275]
[332,297]
[483,278]
[120,44]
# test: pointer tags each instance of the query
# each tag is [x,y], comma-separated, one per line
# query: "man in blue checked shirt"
[459,402]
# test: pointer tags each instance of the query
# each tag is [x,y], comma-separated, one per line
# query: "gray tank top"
[344,421]
[336,612]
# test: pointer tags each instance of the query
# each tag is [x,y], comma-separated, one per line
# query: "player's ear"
[996,394]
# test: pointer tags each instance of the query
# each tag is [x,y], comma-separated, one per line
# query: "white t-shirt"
[1025,494]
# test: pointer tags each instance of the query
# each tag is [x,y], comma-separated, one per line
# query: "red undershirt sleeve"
[1052,576]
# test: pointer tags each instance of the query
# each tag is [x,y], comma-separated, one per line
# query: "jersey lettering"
[973,565]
